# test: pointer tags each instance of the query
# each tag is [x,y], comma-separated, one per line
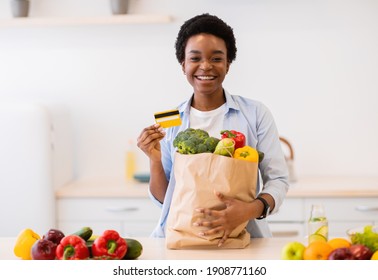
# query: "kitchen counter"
[331,186]
[154,249]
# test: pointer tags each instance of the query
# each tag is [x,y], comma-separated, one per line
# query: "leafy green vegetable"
[368,237]
[194,141]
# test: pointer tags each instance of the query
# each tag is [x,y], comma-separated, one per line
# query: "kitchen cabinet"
[107,204]
[129,216]
[348,202]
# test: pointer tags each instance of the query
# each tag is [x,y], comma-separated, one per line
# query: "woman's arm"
[149,142]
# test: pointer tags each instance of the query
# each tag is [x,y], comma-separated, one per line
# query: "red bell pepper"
[237,136]
[109,245]
[72,247]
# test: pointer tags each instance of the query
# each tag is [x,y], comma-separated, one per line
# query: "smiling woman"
[206,48]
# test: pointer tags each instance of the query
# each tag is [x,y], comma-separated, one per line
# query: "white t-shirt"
[210,121]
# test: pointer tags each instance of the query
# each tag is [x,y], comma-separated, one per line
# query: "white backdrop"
[314,63]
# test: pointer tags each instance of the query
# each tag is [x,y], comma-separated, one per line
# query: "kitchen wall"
[314,63]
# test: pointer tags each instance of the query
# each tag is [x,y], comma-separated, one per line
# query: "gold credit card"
[168,118]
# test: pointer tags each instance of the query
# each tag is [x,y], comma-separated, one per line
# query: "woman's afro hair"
[209,24]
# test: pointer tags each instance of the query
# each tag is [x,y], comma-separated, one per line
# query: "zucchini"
[85,233]
[134,249]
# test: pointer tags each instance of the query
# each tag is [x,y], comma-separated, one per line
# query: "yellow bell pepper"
[24,242]
[247,153]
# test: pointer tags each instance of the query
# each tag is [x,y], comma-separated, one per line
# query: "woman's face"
[205,64]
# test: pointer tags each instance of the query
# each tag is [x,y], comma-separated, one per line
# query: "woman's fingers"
[149,135]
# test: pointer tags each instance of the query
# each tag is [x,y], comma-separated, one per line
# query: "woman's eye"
[217,59]
[195,58]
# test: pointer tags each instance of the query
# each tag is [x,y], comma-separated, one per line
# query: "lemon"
[375,256]
[316,237]
[323,230]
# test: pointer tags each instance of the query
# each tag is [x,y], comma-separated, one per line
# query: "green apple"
[293,251]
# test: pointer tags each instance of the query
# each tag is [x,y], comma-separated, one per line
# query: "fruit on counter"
[237,136]
[84,232]
[339,242]
[342,253]
[293,251]
[54,235]
[225,147]
[24,242]
[44,249]
[360,252]
[247,153]
[375,256]
[72,247]
[317,250]
[134,249]
[110,245]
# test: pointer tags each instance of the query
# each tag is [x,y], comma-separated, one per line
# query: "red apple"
[341,254]
[54,235]
[360,252]
[43,249]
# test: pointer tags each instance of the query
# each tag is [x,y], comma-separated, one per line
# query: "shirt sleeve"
[273,168]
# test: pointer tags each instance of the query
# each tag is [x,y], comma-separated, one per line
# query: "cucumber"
[85,233]
[134,249]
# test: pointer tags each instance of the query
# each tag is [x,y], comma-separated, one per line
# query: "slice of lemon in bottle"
[323,230]
[316,237]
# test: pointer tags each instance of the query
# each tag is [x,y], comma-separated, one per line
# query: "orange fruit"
[339,243]
[375,256]
[317,250]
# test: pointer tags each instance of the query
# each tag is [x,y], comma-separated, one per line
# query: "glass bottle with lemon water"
[317,224]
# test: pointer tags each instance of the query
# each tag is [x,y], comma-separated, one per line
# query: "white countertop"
[155,249]
[326,186]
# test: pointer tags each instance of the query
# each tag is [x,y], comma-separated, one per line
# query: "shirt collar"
[230,104]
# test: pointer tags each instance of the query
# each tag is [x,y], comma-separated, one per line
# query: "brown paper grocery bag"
[197,176]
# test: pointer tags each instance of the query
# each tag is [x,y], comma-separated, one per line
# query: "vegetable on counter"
[195,141]
[54,235]
[247,153]
[237,136]
[72,247]
[84,232]
[44,249]
[368,237]
[134,249]
[24,242]
[109,245]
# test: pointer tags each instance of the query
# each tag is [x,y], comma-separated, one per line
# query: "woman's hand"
[226,220]
[149,141]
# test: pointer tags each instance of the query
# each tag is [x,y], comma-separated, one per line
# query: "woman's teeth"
[205,77]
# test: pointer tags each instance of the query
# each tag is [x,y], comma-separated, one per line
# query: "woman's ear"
[183,67]
[228,67]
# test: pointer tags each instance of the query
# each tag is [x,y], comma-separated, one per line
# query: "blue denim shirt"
[256,122]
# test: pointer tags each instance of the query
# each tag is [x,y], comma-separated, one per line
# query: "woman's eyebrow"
[214,52]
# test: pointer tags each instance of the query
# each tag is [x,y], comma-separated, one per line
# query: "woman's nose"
[205,65]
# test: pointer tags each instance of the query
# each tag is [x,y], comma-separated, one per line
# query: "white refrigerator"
[35,159]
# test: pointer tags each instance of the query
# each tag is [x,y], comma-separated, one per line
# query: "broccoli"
[194,141]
